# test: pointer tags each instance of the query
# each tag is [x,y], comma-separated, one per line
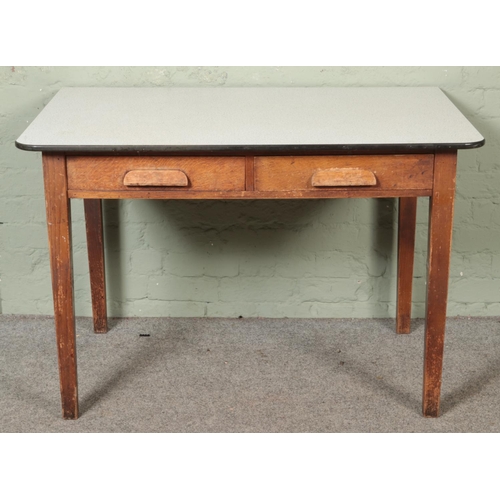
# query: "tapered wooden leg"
[59,229]
[95,246]
[440,231]
[406,249]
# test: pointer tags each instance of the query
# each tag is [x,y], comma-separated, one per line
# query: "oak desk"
[250,143]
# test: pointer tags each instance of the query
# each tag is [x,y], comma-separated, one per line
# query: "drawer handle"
[158,178]
[334,177]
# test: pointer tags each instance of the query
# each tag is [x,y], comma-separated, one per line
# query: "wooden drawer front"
[368,172]
[128,173]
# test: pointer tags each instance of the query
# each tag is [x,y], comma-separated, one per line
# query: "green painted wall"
[299,258]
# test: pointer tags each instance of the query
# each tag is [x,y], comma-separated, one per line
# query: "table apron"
[249,195]
[251,177]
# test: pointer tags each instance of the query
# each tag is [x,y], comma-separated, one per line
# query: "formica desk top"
[141,120]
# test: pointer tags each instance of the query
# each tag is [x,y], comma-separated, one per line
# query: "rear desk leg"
[407,222]
[59,229]
[95,247]
[438,270]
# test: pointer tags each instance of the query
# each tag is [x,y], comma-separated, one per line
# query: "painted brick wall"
[303,258]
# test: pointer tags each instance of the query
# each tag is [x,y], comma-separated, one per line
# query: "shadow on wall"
[264,238]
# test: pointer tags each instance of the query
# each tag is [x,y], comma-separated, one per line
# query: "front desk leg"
[59,229]
[440,232]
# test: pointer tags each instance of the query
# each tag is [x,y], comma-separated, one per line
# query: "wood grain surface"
[107,173]
[407,220]
[171,194]
[59,229]
[156,178]
[95,249]
[288,173]
[336,177]
[405,176]
[438,268]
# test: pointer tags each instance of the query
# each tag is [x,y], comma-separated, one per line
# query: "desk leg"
[406,249]
[440,232]
[95,248]
[59,229]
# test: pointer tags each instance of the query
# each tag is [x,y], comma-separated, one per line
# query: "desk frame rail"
[441,193]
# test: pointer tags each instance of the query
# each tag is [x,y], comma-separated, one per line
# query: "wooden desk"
[250,143]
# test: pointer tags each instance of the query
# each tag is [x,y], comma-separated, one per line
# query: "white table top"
[223,118]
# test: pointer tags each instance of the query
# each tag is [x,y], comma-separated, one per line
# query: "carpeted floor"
[249,375]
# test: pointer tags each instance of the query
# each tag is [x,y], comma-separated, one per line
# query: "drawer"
[366,172]
[129,173]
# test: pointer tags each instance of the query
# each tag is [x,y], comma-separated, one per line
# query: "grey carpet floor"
[249,375]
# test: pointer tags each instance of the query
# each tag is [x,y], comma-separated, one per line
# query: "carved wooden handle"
[158,178]
[335,177]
